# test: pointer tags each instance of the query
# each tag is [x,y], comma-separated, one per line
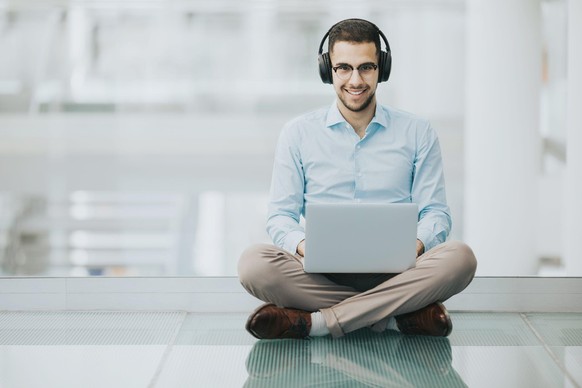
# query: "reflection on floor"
[178,349]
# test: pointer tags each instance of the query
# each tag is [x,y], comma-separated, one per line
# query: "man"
[355,151]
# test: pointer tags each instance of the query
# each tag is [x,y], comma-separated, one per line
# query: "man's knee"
[249,263]
[255,266]
[462,263]
[467,258]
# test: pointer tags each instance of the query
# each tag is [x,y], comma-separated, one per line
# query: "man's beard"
[360,108]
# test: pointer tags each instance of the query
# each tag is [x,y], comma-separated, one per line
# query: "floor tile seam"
[167,351]
[549,350]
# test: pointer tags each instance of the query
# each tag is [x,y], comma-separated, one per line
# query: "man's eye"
[344,68]
[366,68]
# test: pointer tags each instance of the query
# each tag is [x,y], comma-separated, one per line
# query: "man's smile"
[355,92]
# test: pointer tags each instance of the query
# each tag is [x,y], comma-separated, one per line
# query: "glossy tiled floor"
[176,349]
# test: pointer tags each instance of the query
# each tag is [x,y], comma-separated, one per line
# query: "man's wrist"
[419,247]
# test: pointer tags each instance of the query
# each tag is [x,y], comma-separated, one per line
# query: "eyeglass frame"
[334,68]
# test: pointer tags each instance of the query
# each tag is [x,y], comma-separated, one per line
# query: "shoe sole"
[447,317]
[255,312]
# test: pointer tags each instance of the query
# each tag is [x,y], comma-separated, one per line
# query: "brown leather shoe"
[271,322]
[432,320]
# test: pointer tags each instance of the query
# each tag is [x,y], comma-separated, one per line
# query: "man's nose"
[356,77]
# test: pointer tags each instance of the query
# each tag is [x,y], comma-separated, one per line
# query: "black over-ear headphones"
[384,63]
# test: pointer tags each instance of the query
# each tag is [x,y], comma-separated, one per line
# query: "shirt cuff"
[292,240]
[425,236]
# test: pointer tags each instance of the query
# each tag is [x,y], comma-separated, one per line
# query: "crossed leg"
[352,301]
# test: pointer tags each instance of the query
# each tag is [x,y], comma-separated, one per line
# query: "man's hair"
[354,30]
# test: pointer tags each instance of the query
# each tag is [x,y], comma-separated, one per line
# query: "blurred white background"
[137,136]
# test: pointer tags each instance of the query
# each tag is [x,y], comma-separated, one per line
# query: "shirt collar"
[334,116]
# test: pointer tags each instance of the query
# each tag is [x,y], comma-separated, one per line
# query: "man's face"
[355,93]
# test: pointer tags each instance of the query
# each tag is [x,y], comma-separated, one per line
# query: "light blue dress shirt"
[320,159]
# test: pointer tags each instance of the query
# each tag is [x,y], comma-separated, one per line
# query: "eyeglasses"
[345,71]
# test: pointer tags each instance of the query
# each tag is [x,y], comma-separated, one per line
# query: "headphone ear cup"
[325,68]
[385,66]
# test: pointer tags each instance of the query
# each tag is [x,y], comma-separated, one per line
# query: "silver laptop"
[360,238]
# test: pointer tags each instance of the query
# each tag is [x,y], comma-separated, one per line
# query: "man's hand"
[301,248]
[419,248]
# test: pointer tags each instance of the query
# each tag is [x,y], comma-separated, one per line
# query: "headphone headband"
[384,63]
[386,44]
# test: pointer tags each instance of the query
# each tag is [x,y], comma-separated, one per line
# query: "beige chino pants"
[351,301]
